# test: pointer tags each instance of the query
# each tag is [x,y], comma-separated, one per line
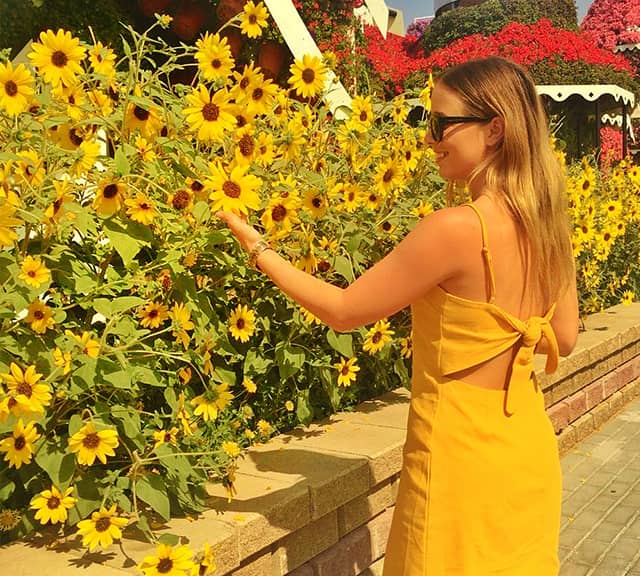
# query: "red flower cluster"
[393,58]
[610,145]
[612,22]
[526,45]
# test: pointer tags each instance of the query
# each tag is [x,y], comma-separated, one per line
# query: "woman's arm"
[423,259]
[566,320]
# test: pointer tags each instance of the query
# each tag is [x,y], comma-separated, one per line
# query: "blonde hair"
[524,169]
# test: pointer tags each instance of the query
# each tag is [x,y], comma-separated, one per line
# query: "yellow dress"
[480,488]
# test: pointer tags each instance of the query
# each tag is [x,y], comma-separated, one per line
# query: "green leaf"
[88,496]
[255,362]
[119,379]
[330,387]
[121,162]
[342,343]
[125,303]
[304,411]
[151,489]
[130,420]
[173,462]
[289,359]
[57,464]
[127,241]
[145,376]
[201,212]
[343,267]
[6,488]
[169,539]
[75,423]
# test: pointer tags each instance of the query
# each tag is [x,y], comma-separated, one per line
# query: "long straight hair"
[524,168]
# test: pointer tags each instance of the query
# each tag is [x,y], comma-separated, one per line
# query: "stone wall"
[318,501]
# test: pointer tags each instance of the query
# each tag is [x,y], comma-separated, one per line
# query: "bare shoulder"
[453,226]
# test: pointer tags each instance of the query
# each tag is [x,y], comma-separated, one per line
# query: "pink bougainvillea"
[610,23]
[526,45]
[610,145]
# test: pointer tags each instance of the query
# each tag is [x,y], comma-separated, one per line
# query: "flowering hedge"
[140,355]
[609,23]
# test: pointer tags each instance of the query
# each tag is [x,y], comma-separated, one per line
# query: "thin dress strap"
[486,254]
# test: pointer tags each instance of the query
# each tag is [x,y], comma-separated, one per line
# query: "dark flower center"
[257,94]
[386,226]
[252,19]
[246,145]
[240,323]
[76,140]
[241,121]
[25,389]
[196,186]
[586,185]
[373,197]
[278,213]
[53,503]
[165,565]
[141,113]
[31,273]
[103,524]
[345,370]
[308,76]
[244,83]
[210,112]
[91,441]
[388,175]
[38,314]
[363,116]
[144,206]
[153,314]
[376,337]
[317,202]
[11,88]
[19,443]
[59,58]
[323,266]
[110,191]
[180,200]
[231,189]
[216,63]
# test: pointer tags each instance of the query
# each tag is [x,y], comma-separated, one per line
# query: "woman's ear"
[496,131]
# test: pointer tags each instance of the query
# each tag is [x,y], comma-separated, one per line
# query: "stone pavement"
[600,531]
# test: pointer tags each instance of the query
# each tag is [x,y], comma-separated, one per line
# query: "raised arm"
[422,260]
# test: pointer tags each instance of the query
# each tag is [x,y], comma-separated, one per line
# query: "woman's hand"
[246,234]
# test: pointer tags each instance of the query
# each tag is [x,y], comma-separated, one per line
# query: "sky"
[415,8]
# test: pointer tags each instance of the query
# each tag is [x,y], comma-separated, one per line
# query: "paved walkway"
[600,533]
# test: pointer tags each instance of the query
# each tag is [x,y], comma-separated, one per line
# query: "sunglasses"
[438,123]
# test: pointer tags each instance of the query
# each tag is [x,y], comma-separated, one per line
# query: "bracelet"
[259,248]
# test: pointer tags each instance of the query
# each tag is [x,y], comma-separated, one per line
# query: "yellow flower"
[52,505]
[109,197]
[315,202]
[289,406]
[347,371]
[56,210]
[18,447]
[207,564]
[377,337]
[242,323]
[388,176]
[399,110]
[264,153]
[88,153]
[63,360]
[57,57]
[181,318]
[141,209]
[253,19]
[27,397]
[34,272]
[627,297]
[102,528]
[361,114]
[212,401]
[168,561]
[425,95]
[214,57]
[16,88]
[423,209]
[103,59]
[309,318]
[153,315]
[249,385]
[210,117]
[9,519]
[91,444]
[308,76]
[165,436]
[145,149]
[406,347]
[280,215]
[264,427]
[39,317]
[260,96]
[244,80]
[30,169]
[231,449]
[181,200]
[236,192]
[145,119]
[89,346]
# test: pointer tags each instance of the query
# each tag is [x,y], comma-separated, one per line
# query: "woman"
[489,283]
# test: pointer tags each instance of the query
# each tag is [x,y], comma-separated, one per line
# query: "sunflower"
[88,153]
[62,360]
[249,385]
[100,102]
[215,61]
[9,519]
[34,272]
[245,145]
[52,505]
[30,169]
[207,564]
[351,197]
[153,315]
[56,210]
[214,400]
[66,136]
[253,19]
[27,397]
[264,428]
[168,561]
[197,188]
[292,140]
[347,371]
[181,200]
[103,60]
[388,176]
[231,449]
[235,192]
[73,97]
[315,202]
[399,110]
[280,215]
[145,149]
[243,81]
[88,345]
[57,57]
[627,297]
[308,76]
[16,88]
[91,444]
[264,153]
[140,209]
[424,208]
[19,446]
[361,114]
[406,347]
[373,199]
[242,323]
[109,197]
[145,118]
[39,317]
[260,96]
[181,318]
[165,437]
[209,116]
[377,337]
[612,209]
[102,528]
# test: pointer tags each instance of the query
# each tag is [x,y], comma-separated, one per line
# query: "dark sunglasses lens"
[436,128]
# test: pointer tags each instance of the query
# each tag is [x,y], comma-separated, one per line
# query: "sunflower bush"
[139,354]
